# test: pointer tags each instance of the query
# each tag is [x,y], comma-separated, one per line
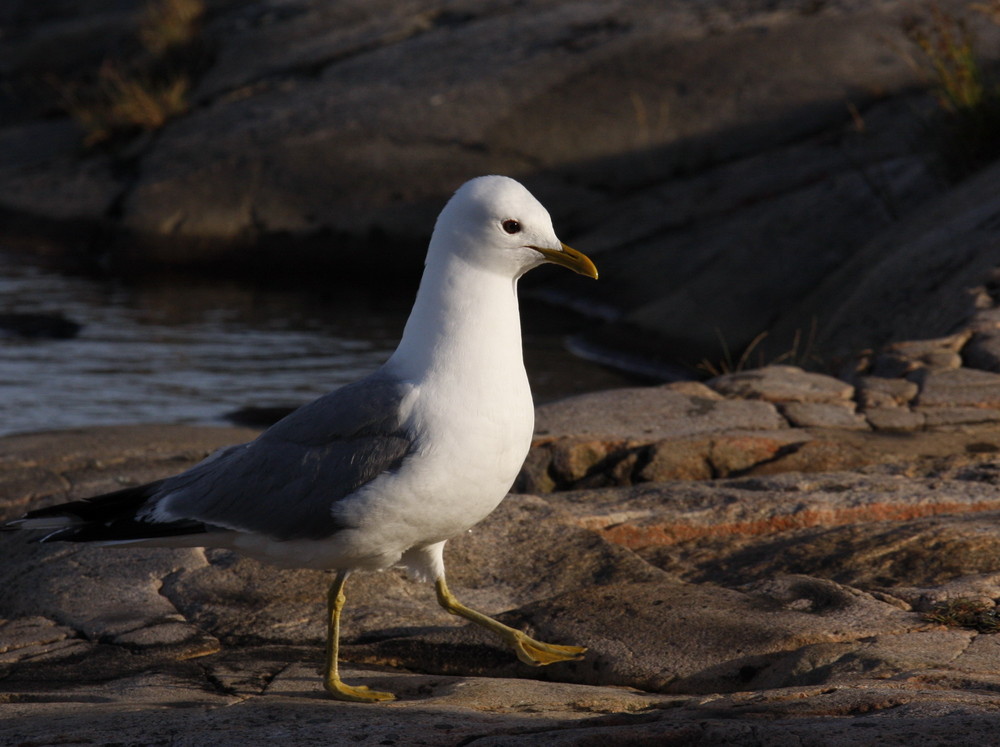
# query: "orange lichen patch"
[636,536]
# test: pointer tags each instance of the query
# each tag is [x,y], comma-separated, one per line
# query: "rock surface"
[763,421]
[752,160]
[780,605]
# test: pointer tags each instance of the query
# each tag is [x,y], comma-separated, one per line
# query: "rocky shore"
[769,556]
[735,168]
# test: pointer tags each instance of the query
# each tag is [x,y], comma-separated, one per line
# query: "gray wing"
[285,483]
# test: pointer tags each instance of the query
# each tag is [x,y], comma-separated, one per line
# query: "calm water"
[192,352]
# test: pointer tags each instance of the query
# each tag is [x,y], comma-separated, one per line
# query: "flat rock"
[877,391]
[823,415]
[667,513]
[963,387]
[76,463]
[782,384]
[900,358]
[650,414]
[895,419]
[705,605]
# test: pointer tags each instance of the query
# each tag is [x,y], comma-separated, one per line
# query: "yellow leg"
[528,649]
[331,680]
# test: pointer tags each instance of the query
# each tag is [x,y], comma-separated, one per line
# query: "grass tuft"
[966,613]
[121,102]
[968,96]
[144,90]
[802,353]
[169,24]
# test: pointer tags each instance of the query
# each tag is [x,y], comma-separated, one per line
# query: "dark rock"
[983,351]
[936,255]
[35,326]
[294,158]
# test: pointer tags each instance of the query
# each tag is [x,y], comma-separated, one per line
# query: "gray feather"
[284,483]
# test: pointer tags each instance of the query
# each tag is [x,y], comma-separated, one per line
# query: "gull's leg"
[331,678]
[528,649]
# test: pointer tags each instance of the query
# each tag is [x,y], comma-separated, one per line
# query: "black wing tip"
[110,517]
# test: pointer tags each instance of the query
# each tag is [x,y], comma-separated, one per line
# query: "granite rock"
[705,604]
[296,157]
[787,384]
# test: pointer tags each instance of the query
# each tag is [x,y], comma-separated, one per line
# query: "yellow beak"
[569,257]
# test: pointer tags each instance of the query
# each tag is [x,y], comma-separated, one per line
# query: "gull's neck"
[464,323]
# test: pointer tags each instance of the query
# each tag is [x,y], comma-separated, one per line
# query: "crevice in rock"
[782,452]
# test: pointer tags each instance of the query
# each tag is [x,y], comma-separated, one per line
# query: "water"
[194,352]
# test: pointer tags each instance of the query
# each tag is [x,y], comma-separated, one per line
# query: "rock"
[818,455]
[796,597]
[983,351]
[962,387]
[275,170]
[875,391]
[823,415]
[895,419]
[677,460]
[906,262]
[665,514]
[650,414]
[683,435]
[945,416]
[73,464]
[897,359]
[33,326]
[705,298]
[305,92]
[37,639]
[783,384]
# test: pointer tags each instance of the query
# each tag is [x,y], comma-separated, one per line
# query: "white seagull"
[381,472]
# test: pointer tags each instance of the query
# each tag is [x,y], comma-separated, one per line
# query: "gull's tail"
[111,518]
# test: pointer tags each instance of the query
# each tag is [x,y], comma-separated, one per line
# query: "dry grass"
[144,91]
[802,353]
[121,102]
[948,58]
[965,132]
[168,24]
[966,613]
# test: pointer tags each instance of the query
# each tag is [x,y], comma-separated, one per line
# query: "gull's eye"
[511,226]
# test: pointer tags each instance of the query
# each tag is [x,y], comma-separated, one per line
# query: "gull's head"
[495,223]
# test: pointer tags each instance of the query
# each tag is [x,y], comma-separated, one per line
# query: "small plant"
[169,24]
[966,613]
[727,365]
[966,130]
[801,353]
[121,102]
[151,85]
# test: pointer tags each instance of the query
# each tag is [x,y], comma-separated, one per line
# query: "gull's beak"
[569,257]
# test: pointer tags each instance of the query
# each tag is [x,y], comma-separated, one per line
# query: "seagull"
[384,471]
